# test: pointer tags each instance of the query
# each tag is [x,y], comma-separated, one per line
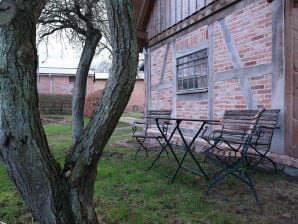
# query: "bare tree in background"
[54,194]
[81,22]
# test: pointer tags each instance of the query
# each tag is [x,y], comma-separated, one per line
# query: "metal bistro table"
[187,146]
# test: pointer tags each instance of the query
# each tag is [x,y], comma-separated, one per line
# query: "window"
[71,79]
[192,72]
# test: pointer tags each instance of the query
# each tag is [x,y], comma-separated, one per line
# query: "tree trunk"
[79,93]
[56,195]
[108,110]
[23,144]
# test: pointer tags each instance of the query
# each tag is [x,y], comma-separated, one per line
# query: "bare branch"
[79,17]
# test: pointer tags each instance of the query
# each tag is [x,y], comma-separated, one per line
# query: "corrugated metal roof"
[61,71]
[105,75]
[101,75]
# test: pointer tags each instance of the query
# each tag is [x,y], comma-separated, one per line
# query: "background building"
[60,81]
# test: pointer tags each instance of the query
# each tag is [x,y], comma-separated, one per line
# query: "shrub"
[55,104]
[90,102]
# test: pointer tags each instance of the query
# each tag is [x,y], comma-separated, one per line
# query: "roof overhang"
[143,9]
[53,71]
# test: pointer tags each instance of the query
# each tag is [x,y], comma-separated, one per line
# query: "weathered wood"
[192,7]
[178,11]
[291,80]
[181,24]
[185,9]
[163,13]
[143,9]
[168,13]
[157,17]
[229,147]
[173,13]
[237,123]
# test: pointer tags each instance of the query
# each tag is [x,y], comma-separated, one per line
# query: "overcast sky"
[62,55]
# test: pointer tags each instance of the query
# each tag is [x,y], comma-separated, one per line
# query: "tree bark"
[84,156]
[23,144]
[56,195]
[78,101]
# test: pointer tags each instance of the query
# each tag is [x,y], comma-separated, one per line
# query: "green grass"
[11,203]
[133,115]
[54,128]
[126,193]
[121,124]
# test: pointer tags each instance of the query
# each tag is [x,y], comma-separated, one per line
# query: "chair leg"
[140,147]
[262,159]
[215,179]
[163,146]
[246,179]
[243,177]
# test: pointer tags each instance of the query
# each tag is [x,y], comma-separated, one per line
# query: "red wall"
[61,85]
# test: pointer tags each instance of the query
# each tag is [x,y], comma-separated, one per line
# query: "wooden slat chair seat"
[146,133]
[240,131]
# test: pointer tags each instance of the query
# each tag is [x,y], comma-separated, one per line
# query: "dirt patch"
[55,120]
[117,155]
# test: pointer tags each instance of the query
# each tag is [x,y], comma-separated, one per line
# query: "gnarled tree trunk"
[79,93]
[56,195]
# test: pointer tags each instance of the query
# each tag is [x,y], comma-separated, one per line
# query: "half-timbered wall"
[245,62]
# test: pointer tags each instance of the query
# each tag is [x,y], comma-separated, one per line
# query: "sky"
[61,55]
[58,54]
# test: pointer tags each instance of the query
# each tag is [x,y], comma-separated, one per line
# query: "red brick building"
[204,57]
[55,81]
[136,101]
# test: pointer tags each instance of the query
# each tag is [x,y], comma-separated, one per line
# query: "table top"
[184,119]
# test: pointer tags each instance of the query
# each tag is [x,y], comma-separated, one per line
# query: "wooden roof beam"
[144,14]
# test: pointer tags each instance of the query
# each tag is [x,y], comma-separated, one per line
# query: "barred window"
[192,72]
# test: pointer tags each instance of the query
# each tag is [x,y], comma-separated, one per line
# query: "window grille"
[192,72]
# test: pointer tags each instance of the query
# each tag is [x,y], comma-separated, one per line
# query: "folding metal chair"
[149,134]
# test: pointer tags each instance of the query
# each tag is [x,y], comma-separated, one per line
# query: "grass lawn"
[126,193]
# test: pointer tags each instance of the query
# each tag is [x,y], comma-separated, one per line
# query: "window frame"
[200,56]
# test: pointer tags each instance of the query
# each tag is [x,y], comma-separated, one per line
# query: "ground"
[126,193]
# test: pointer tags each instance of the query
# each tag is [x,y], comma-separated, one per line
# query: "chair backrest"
[244,121]
[165,114]
[159,113]
[239,121]
[266,126]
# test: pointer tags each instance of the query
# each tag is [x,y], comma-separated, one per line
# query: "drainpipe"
[51,84]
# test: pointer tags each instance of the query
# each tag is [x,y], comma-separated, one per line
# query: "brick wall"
[250,30]
[56,85]
[136,101]
[60,85]
[262,90]
[251,34]
[161,67]
[192,38]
